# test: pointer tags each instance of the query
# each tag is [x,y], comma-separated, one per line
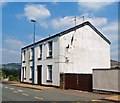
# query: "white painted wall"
[52,61]
[44,62]
[88,51]
[27,64]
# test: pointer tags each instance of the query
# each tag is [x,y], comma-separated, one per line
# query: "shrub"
[11,78]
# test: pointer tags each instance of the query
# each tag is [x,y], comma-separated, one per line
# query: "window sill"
[50,81]
[30,78]
[39,58]
[49,57]
[31,60]
[23,61]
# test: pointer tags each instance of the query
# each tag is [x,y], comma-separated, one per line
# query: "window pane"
[50,45]
[50,49]
[50,72]
[31,72]
[40,51]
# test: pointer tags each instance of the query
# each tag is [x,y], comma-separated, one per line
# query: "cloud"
[3,49]
[14,52]
[55,2]
[13,43]
[11,50]
[10,56]
[44,24]
[111,30]
[69,21]
[36,11]
[113,26]
[98,21]
[94,5]
[62,22]
[19,16]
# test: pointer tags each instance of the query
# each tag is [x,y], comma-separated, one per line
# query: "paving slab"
[113,98]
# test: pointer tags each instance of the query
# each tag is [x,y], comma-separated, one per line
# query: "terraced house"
[66,59]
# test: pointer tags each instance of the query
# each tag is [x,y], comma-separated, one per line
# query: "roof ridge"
[69,30]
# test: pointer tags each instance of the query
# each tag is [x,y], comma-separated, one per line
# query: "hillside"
[18,65]
[12,65]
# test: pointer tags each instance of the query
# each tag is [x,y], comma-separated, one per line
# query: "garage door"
[78,82]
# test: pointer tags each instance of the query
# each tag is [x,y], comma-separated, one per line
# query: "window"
[23,56]
[50,49]
[40,53]
[24,72]
[31,54]
[49,73]
[30,74]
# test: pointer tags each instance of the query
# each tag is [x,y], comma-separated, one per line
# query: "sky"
[51,18]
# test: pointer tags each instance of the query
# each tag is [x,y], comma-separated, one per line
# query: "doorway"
[39,74]
[22,74]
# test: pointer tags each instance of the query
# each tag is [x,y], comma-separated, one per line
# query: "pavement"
[29,86]
[115,98]
[107,97]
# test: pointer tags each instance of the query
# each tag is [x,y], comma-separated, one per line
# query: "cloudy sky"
[52,18]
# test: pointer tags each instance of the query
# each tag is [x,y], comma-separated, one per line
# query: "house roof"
[115,64]
[72,29]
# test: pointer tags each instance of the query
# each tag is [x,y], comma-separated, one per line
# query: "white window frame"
[40,52]
[50,49]
[23,55]
[24,75]
[49,73]
[31,53]
[30,73]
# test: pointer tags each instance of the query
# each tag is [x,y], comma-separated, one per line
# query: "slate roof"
[72,29]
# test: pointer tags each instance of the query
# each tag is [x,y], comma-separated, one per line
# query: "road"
[13,93]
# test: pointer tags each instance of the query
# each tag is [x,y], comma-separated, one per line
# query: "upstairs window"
[23,56]
[50,46]
[31,54]
[40,53]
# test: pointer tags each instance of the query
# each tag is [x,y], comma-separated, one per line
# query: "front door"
[39,74]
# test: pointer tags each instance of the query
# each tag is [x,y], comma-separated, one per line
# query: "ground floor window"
[30,73]
[49,73]
[24,72]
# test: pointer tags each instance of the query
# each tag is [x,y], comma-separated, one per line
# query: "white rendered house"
[77,50]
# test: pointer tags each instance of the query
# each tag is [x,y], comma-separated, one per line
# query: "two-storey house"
[77,51]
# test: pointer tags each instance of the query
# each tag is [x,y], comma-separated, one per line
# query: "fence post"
[62,81]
